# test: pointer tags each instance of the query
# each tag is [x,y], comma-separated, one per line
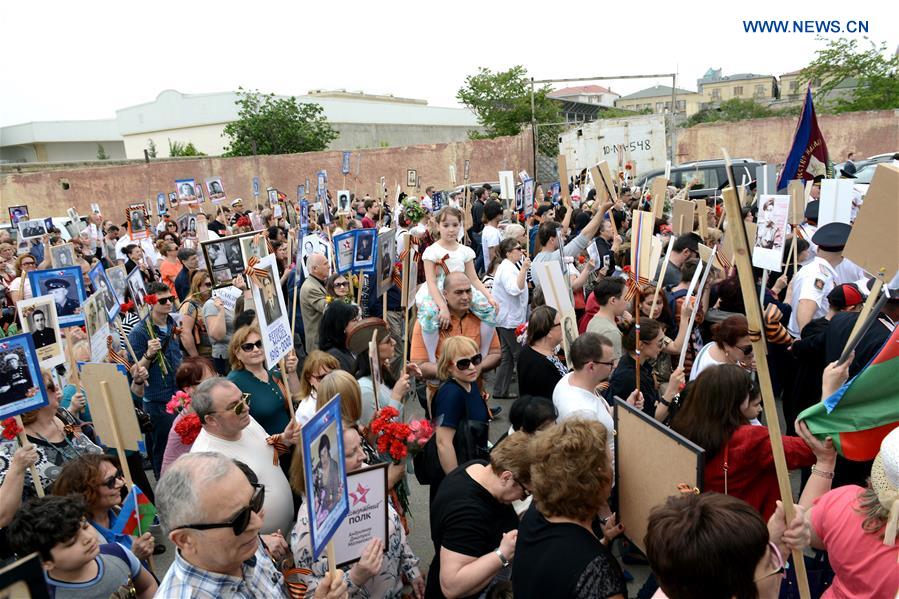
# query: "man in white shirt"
[816,279]
[228,428]
[428,200]
[575,395]
[490,235]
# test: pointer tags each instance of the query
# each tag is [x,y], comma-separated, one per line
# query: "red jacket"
[750,473]
[591,307]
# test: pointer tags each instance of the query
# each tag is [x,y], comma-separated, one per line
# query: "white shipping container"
[639,139]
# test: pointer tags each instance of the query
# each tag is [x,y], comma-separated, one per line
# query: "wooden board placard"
[651,461]
[702,215]
[659,190]
[872,242]
[797,202]
[682,217]
[92,374]
[607,180]
[563,180]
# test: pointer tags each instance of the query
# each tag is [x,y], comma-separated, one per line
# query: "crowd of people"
[528,512]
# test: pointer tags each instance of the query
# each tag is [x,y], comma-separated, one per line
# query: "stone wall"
[865,133]
[115,186]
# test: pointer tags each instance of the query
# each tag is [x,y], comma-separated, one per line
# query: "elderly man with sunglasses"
[228,428]
[213,514]
[157,336]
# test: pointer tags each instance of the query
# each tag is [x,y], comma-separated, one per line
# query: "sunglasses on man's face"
[466,363]
[110,482]
[248,347]
[239,405]
[241,520]
[165,300]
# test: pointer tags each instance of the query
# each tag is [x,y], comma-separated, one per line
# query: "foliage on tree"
[270,125]
[738,109]
[502,102]
[179,149]
[876,72]
[151,148]
[101,153]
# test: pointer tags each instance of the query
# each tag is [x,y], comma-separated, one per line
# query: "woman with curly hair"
[562,545]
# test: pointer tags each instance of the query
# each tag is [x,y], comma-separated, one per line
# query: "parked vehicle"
[708,174]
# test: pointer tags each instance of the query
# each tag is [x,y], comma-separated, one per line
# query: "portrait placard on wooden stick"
[652,463]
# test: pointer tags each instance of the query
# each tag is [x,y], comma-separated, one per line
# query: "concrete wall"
[115,186]
[865,133]
[210,139]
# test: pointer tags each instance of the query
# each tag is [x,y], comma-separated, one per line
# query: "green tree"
[151,148]
[502,102]
[737,109]
[179,149]
[876,72]
[270,125]
[101,153]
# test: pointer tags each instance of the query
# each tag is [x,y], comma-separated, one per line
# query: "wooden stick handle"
[118,323]
[743,264]
[286,378]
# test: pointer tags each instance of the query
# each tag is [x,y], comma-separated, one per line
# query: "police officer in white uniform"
[815,280]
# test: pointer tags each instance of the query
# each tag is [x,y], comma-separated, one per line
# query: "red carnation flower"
[11,428]
[188,428]
[151,299]
[127,306]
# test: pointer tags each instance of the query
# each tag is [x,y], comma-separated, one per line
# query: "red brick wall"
[114,187]
[865,133]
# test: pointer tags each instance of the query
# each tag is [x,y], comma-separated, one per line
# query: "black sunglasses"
[466,363]
[250,346]
[110,482]
[241,520]
[165,300]
[746,349]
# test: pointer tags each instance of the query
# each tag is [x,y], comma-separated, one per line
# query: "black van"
[710,174]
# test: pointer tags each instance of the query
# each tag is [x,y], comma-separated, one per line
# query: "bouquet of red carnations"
[398,439]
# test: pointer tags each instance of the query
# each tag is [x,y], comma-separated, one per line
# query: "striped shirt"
[260,579]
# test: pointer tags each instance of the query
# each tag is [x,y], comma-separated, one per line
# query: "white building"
[586,94]
[361,120]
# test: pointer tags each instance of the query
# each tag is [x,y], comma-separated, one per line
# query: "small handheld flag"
[137,514]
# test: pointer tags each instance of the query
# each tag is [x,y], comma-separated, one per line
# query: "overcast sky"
[84,60]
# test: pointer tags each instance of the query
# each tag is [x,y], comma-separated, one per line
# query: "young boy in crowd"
[76,564]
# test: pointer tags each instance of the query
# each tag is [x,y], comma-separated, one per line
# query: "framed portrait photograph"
[137,288]
[186,190]
[116,276]
[138,222]
[62,255]
[66,287]
[253,245]
[343,201]
[31,229]
[292,218]
[411,178]
[16,214]
[366,246]
[345,249]
[313,244]
[272,196]
[103,288]
[161,209]
[224,258]
[187,225]
[271,311]
[38,317]
[21,384]
[326,483]
[215,190]
[386,257]
[173,200]
[97,326]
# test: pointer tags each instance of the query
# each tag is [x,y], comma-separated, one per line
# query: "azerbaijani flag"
[137,514]
[808,155]
[864,410]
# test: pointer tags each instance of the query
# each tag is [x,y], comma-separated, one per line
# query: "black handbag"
[469,443]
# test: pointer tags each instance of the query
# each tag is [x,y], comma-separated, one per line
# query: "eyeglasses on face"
[110,482]
[165,300]
[248,347]
[746,349]
[241,520]
[238,406]
[341,284]
[318,377]
[466,363]
[779,562]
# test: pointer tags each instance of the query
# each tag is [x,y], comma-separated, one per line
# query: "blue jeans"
[159,436]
